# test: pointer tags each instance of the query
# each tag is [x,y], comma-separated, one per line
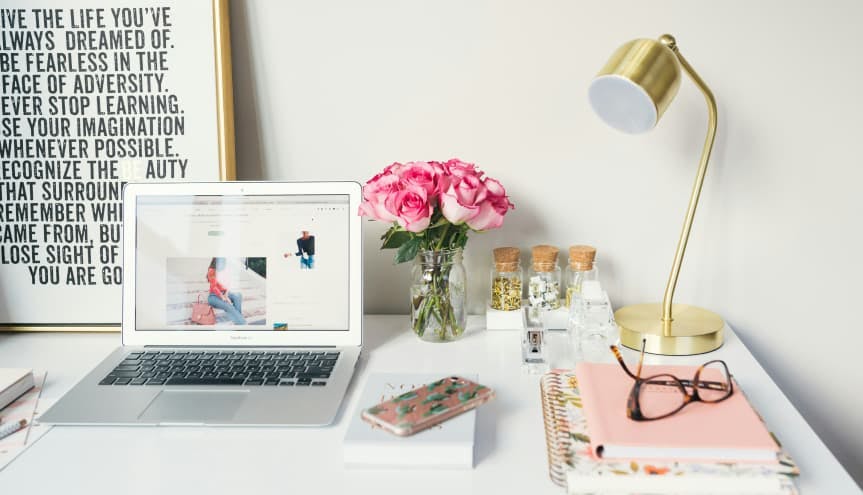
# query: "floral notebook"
[572,465]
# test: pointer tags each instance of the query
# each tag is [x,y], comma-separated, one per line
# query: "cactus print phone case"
[427,406]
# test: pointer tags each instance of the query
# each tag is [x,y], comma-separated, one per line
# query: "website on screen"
[274,263]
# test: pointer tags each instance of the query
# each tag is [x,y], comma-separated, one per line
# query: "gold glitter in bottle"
[506,279]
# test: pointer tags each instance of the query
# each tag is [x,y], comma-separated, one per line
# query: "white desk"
[510,447]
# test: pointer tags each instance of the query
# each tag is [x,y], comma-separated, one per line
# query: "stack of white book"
[449,445]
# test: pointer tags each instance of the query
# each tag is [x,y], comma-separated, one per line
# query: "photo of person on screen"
[305,250]
[220,297]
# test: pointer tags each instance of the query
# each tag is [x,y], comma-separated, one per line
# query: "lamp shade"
[637,84]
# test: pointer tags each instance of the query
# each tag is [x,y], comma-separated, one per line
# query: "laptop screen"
[242,263]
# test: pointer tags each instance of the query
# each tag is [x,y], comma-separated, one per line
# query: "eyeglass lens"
[660,396]
[714,382]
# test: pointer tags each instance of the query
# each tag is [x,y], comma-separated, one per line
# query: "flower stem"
[433,307]
[443,236]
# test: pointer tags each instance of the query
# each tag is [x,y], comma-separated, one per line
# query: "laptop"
[242,306]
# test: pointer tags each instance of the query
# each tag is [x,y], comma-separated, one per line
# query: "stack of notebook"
[593,448]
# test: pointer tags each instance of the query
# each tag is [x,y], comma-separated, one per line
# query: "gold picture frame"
[224,125]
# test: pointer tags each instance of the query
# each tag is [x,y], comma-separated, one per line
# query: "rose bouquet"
[432,206]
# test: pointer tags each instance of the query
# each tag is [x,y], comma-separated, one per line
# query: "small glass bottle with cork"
[506,279]
[581,267]
[544,279]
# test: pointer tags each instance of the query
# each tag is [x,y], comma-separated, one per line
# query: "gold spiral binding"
[556,424]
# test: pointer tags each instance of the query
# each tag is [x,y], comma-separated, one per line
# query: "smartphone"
[428,405]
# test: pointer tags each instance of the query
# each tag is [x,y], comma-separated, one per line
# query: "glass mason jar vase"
[438,294]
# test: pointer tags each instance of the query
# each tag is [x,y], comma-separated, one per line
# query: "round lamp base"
[694,330]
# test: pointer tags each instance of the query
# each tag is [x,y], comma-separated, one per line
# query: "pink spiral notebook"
[729,431]
[572,464]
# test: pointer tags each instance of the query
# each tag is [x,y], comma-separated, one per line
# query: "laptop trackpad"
[194,406]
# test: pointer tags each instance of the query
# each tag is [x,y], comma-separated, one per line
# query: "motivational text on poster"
[85,105]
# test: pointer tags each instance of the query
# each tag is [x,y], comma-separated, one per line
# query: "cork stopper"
[506,258]
[581,257]
[544,258]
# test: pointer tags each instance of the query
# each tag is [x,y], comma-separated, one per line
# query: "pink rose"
[491,213]
[392,168]
[412,208]
[494,187]
[492,210]
[420,174]
[455,169]
[438,167]
[458,168]
[375,194]
[409,194]
[461,200]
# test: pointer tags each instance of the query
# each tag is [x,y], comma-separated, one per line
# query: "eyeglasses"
[660,396]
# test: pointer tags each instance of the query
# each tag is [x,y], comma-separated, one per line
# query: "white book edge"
[17,388]
[625,452]
[579,484]
[358,454]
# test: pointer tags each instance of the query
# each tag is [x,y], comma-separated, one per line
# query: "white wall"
[338,89]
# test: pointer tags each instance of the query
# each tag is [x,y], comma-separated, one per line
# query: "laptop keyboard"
[247,368]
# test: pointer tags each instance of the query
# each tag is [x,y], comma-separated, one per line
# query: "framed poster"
[94,94]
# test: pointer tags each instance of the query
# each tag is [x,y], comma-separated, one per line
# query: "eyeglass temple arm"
[684,382]
[620,360]
[641,358]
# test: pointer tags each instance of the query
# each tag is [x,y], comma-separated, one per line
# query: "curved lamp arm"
[696,189]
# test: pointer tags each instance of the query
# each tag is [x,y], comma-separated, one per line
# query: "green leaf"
[441,221]
[375,410]
[461,239]
[434,385]
[434,398]
[580,437]
[405,396]
[436,409]
[466,396]
[394,239]
[404,410]
[453,388]
[408,251]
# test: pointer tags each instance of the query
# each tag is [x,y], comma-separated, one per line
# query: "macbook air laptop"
[242,306]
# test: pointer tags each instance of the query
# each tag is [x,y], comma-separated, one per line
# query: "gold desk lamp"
[630,94]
